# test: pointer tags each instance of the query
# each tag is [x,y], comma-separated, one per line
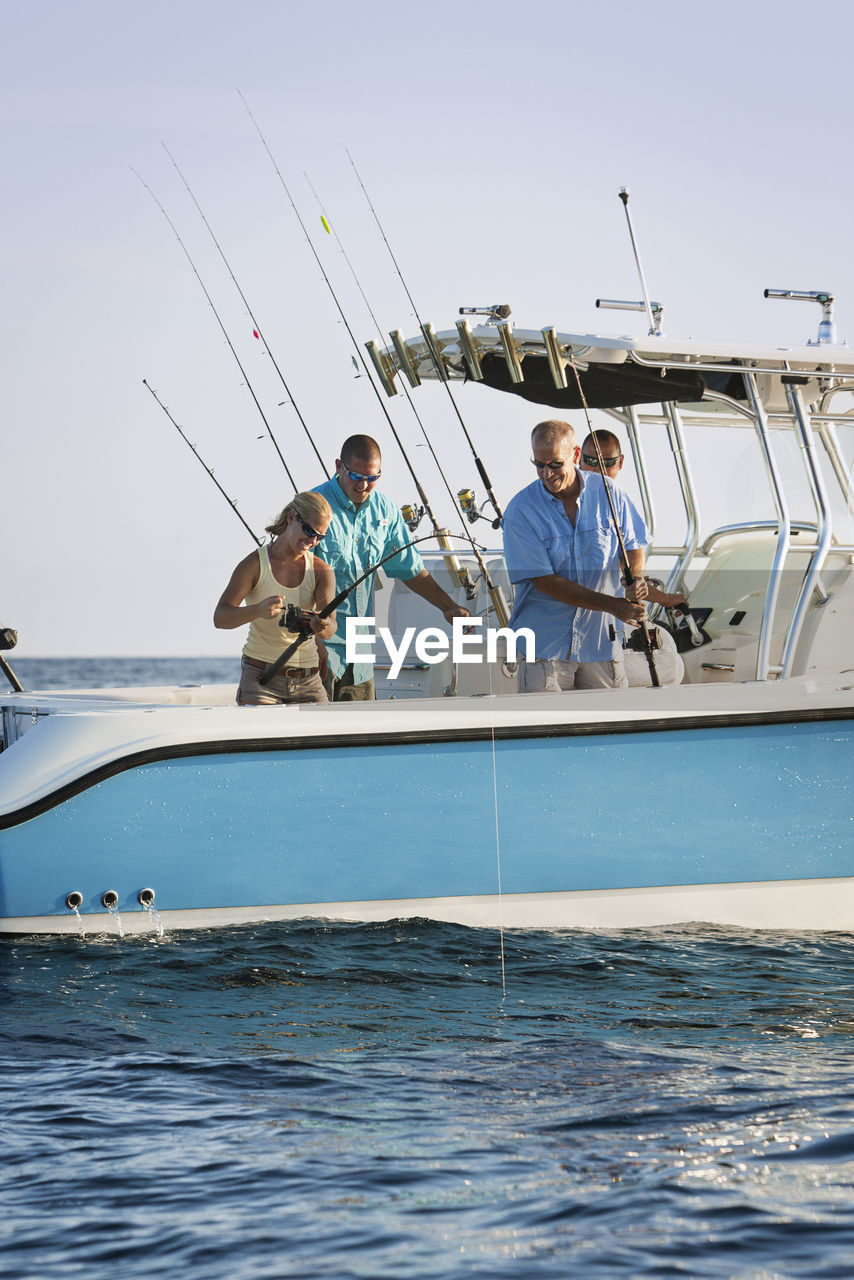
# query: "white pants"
[551,675]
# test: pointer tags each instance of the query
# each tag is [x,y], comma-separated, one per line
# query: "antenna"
[654,328]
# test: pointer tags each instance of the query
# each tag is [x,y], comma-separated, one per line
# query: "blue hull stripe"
[417,820]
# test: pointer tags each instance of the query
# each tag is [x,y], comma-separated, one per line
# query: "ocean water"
[414,1099]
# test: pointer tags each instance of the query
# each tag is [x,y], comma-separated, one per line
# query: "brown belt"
[293,673]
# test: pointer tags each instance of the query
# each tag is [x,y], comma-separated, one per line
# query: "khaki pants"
[252,693]
[550,675]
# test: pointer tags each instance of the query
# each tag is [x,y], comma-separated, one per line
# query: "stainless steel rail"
[763,652]
[825,528]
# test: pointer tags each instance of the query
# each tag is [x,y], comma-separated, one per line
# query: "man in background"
[612,459]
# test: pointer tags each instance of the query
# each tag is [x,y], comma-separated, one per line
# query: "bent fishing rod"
[232,502]
[457,570]
[496,595]
[434,354]
[630,577]
[258,330]
[222,327]
[279,662]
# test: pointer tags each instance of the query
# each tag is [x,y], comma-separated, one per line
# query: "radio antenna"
[654,320]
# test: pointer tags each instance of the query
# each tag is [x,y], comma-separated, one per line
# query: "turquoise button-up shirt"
[358,537]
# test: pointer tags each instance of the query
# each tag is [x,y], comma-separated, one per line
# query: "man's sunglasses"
[590,460]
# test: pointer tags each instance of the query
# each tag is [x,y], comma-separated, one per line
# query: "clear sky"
[492,140]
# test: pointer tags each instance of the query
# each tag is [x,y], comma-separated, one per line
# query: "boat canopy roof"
[614,370]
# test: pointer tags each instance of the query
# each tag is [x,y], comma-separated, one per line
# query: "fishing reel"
[473,513]
[296,620]
[636,640]
[412,516]
[8,638]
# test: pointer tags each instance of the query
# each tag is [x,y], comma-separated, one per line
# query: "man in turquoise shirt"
[365,527]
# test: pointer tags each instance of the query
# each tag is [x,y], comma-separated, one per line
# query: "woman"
[284,572]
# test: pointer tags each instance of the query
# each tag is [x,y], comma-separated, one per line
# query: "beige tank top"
[266,638]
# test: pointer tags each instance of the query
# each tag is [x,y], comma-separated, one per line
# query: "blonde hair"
[308,506]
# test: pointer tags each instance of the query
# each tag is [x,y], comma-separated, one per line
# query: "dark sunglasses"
[548,466]
[309,532]
[357,475]
[590,460]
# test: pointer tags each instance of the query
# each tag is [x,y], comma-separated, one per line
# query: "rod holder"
[383,366]
[404,355]
[557,362]
[511,351]
[435,352]
[826,328]
[470,350]
[617,304]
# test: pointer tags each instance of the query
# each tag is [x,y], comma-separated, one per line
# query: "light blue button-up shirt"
[539,540]
[358,537]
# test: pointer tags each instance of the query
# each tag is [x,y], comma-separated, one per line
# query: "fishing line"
[422,496]
[434,354]
[330,230]
[232,502]
[221,325]
[627,572]
[454,567]
[498,865]
[258,330]
[499,604]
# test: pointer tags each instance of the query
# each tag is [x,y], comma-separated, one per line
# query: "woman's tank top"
[266,638]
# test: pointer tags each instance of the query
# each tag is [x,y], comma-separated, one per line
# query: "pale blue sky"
[492,140]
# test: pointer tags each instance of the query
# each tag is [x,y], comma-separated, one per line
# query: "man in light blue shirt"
[562,554]
[366,526]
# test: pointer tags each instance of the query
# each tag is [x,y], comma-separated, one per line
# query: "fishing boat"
[725,795]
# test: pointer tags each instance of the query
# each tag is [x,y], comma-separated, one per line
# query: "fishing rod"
[434,354]
[303,616]
[258,330]
[457,570]
[232,502]
[422,496]
[222,327]
[496,594]
[627,571]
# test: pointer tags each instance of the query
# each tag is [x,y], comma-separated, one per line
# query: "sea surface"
[414,1099]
